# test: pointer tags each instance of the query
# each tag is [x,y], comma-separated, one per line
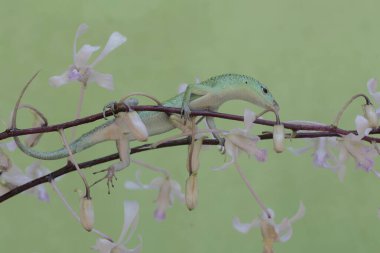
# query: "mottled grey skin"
[209,94]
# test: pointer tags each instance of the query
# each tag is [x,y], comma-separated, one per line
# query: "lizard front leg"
[193,95]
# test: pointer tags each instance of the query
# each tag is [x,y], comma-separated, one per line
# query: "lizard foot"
[111,106]
[185,112]
[110,176]
[222,148]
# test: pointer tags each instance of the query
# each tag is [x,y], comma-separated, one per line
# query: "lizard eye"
[246,82]
[265,90]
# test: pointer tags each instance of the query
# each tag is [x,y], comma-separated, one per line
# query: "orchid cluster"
[328,152]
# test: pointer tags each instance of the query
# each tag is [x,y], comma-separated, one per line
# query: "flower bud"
[131,122]
[86,215]
[193,156]
[278,138]
[371,116]
[191,194]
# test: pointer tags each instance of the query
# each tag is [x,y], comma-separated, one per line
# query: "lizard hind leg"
[124,153]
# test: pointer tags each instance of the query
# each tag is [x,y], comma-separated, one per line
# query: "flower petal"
[362,126]
[285,230]
[103,80]
[131,209]
[372,86]
[300,213]
[84,53]
[58,81]
[81,30]
[114,41]
[245,227]
[11,145]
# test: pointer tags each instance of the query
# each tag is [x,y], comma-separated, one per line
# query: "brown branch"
[185,141]
[291,126]
[317,131]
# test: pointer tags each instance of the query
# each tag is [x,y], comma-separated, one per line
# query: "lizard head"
[249,89]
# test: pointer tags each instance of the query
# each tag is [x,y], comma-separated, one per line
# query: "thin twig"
[325,130]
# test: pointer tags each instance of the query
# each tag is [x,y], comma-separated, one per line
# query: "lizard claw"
[222,148]
[111,106]
[185,112]
[110,176]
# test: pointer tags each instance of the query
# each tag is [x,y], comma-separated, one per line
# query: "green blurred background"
[313,55]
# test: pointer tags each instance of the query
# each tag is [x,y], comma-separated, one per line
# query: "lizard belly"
[156,122]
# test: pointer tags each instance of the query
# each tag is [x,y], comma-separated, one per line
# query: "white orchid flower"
[168,190]
[131,209]
[14,177]
[271,231]
[82,70]
[238,140]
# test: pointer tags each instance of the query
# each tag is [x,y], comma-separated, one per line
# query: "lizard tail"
[75,146]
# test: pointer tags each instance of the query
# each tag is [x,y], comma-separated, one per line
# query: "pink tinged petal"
[114,41]
[362,126]
[321,154]
[159,214]
[103,80]
[249,117]
[248,145]
[366,164]
[11,145]
[182,88]
[83,55]
[14,176]
[80,31]
[245,227]
[42,194]
[372,86]
[261,155]
[163,200]
[74,74]
[58,81]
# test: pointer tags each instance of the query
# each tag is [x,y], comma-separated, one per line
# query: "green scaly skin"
[209,95]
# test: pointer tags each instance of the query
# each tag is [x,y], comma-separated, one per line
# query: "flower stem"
[345,106]
[79,108]
[72,212]
[71,156]
[252,191]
